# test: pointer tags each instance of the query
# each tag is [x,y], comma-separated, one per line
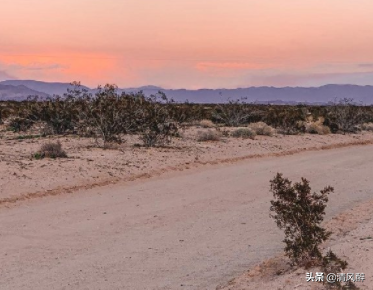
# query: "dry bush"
[206,124]
[367,126]
[317,128]
[243,133]
[50,150]
[261,128]
[209,135]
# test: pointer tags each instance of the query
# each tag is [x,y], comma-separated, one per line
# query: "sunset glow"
[189,44]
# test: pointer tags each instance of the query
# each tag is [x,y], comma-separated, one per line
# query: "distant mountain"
[144,88]
[265,95]
[45,87]
[18,93]
[261,95]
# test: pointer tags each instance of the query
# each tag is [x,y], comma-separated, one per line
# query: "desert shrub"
[209,135]
[345,116]
[107,115]
[206,124]
[18,124]
[288,120]
[261,128]
[299,212]
[244,133]
[22,116]
[2,114]
[317,128]
[60,115]
[332,264]
[187,113]
[50,150]
[235,113]
[159,133]
[157,123]
[367,126]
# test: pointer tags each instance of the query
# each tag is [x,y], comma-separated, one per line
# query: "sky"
[188,43]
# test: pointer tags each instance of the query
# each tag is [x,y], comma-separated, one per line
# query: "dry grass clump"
[244,133]
[315,128]
[50,150]
[261,128]
[209,135]
[367,126]
[206,124]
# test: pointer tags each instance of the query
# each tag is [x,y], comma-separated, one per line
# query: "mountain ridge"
[265,94]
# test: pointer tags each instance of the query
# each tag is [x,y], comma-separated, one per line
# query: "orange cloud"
[59,68]
[204,66]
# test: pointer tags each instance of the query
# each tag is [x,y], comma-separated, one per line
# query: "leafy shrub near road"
[299,212]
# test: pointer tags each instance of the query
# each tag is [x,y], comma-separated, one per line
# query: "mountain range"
[20,89]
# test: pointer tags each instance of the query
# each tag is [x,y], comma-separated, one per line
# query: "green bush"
[157,122]
[299,212]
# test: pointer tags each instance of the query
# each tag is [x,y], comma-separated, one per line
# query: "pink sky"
[188,43]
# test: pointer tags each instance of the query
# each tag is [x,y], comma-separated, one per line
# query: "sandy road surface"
[188,231]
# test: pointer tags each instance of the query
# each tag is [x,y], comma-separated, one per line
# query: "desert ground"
[191,215]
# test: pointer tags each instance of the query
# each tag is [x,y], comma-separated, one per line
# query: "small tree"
[299,212]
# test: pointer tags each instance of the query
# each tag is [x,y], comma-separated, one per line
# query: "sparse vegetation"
[345,116]
[50,150]
[206,124]
[244,133]
[209,135]
[235,113]
[109,116]
[261,128]
[18,124]
[367,126]
[317,128]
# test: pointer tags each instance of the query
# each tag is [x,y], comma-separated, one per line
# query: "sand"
[87,165]
[194,215]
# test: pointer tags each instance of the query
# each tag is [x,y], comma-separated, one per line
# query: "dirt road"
[192,230]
